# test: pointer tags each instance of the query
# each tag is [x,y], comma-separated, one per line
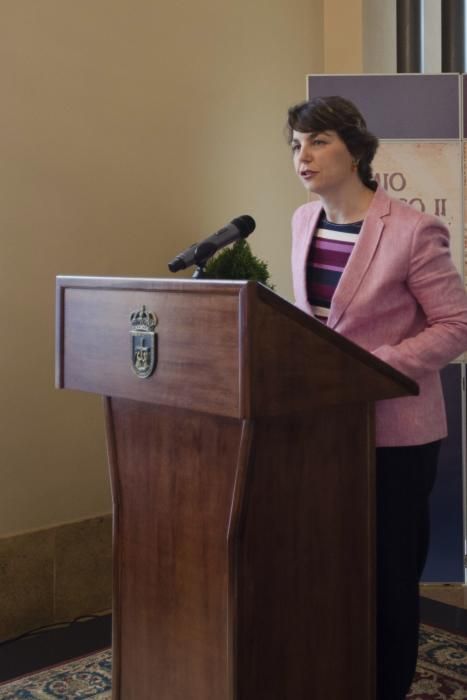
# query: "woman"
[380,273]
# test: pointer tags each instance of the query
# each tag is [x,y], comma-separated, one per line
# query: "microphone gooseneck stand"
[199,272]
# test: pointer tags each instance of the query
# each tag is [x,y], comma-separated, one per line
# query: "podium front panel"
[197,347]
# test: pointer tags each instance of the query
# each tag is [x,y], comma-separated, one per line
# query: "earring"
[354,165]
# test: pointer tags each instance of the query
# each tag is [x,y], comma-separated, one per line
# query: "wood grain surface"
[175,471]
[242,484]
[304,573]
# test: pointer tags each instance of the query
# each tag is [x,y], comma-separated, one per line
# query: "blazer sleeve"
[434,282]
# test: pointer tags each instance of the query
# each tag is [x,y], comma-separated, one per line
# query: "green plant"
[238,263]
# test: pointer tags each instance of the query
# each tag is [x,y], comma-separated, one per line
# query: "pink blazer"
[401,298]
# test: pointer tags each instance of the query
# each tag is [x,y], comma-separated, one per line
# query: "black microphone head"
[176,264]
[245,224]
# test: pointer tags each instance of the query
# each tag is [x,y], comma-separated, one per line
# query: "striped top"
[329,252]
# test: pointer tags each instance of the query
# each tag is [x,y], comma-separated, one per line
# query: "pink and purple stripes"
[330,250]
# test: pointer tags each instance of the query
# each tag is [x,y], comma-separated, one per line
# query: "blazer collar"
[361,256]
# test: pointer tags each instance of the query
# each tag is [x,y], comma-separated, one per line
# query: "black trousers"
[404,480]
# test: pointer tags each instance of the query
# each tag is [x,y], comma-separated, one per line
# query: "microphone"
[241,227]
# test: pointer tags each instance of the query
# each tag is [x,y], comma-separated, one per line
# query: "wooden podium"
[242,483]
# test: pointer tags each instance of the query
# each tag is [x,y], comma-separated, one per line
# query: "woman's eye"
[318,142]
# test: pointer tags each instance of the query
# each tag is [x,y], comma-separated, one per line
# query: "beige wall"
[379,32]
[431,36]
[360,36]
[128,129]
[343,32]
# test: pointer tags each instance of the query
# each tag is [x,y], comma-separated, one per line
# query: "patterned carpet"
[441,674]
[442,666]
[88,677]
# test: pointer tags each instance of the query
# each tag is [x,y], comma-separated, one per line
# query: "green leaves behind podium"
[238,263]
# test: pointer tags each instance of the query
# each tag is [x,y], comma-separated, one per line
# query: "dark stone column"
[409,36]
[453,36]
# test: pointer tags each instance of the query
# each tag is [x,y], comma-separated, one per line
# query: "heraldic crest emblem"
[143,342]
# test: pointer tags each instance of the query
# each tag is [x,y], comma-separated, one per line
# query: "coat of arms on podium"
[143,342]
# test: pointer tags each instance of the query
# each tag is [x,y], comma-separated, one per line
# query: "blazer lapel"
[360,257]
[304,251]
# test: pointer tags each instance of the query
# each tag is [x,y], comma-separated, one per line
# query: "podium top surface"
[232,348]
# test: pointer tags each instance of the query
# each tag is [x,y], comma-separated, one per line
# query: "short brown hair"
[342,116]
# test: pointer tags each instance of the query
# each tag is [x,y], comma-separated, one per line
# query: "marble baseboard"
[448,593]
[55,575]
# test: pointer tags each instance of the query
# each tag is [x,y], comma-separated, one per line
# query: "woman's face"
[322,161]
